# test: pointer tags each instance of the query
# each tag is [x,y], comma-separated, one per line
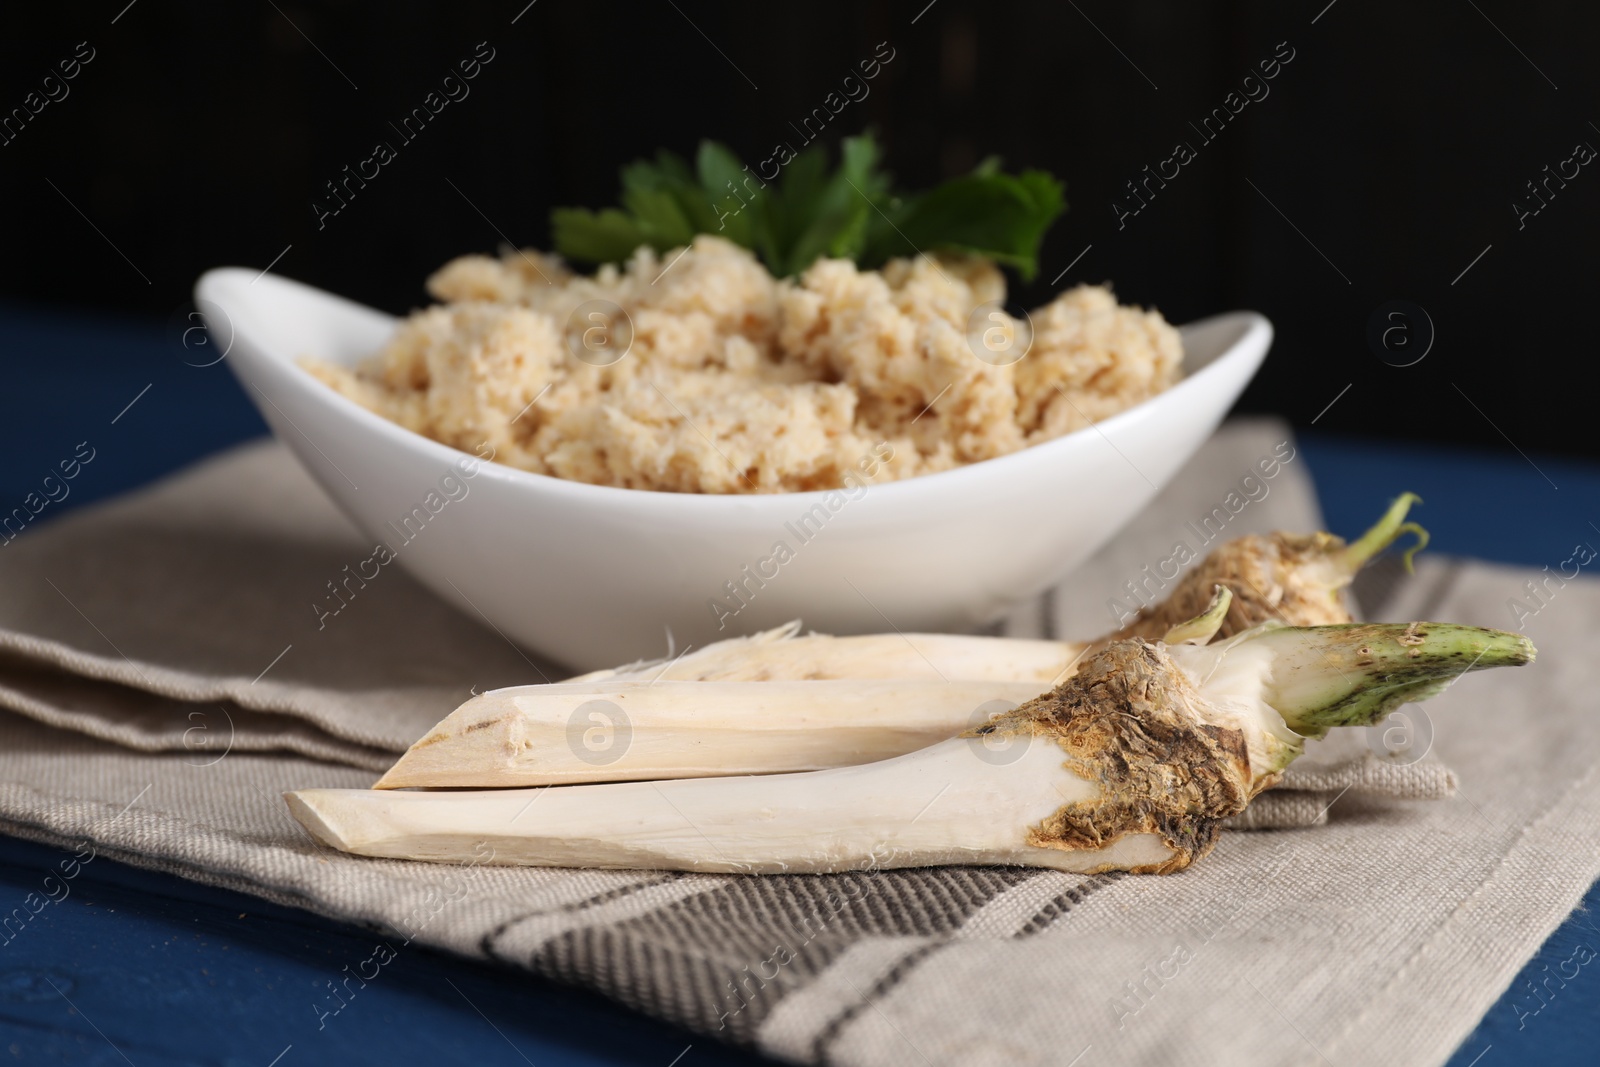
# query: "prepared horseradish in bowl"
[710,375]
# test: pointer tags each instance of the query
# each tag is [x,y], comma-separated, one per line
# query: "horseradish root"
[1131,764]
[611,731]
[620,730]
[1296,579]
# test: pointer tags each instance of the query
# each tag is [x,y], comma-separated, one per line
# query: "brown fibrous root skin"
[1271,576]
[1131,721]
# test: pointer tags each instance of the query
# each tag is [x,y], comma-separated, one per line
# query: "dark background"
[1384,161]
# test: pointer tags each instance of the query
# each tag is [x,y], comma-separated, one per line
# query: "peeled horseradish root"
[780,701]
[1130,764]
[619,731]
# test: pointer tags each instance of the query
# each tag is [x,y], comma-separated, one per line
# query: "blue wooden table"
[142,968]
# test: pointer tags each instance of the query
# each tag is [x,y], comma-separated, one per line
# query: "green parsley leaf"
[991,214]
[807,212]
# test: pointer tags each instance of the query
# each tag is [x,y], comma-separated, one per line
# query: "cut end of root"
[1384,533]
[302,806]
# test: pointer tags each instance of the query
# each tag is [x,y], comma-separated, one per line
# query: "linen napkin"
[1380,936]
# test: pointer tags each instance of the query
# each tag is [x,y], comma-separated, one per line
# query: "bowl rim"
[1255,325]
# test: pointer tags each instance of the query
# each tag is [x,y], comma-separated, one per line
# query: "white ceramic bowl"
[593,576]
